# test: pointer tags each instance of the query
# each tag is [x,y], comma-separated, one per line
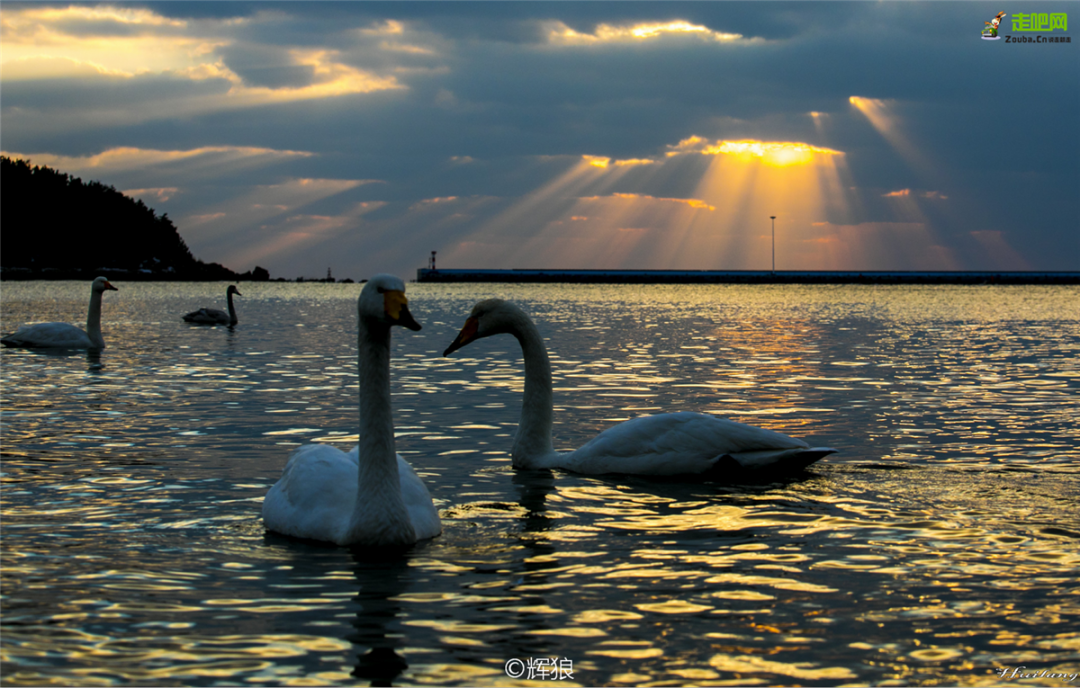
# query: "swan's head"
[101,285]
[383,300]
[232,290]
[489,317]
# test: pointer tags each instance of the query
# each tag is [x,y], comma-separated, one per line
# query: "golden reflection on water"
[937,547]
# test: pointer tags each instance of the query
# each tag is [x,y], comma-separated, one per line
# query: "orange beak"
[467,335]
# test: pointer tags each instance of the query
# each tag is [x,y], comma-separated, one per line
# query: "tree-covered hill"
[55,226]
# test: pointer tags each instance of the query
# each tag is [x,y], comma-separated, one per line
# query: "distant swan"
[213,316]
[664,444]
[369,496]
[57,335]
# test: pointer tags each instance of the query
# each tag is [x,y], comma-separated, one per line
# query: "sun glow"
[634,161]
[603,163]
[653,30]
[55,42]
[776,153]
[559,32]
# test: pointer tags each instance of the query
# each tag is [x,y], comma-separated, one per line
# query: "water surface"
[939,546]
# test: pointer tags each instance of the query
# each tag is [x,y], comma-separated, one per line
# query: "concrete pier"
[745,277]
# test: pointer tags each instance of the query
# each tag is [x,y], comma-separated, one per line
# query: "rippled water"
[940,546]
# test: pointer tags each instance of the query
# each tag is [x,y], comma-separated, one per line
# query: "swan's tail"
[21,342]
[777,460]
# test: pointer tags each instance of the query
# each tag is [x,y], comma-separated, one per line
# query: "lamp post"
[773,218]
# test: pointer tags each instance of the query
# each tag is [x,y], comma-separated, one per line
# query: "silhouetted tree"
[52,220]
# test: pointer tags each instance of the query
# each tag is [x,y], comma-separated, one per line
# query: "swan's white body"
[369,496]
[57,335]
[213,316]
[317,494]
[664,444]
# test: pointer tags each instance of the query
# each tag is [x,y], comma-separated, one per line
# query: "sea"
[940,545]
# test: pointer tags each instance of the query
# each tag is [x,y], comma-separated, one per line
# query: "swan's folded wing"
[758,449]
[780,459]
[314,496]
[422,512]
[665,444]
[675,444]
[54,334]
[207,315]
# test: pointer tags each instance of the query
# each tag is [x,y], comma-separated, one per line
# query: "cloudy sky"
[361,136]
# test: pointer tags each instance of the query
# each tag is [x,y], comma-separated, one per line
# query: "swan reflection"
[92,356]
[533,488]
[382,578]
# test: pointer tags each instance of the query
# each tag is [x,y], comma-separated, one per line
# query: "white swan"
[57,335]
[664,444]
[369,496]
[213,316]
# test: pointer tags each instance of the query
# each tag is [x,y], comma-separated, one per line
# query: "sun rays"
[883,116]
[600,212]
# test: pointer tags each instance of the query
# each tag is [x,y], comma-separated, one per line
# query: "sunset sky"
[361,136]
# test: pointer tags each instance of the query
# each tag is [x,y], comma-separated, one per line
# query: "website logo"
[990,33]
[1044,25]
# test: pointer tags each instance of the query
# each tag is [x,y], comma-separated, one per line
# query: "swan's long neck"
[93,320]
[532,446]
[379,517]
[232,310]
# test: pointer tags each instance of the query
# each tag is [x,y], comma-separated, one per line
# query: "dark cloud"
[92,90]
[269,66]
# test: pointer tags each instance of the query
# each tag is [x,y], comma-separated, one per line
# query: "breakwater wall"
[745,277]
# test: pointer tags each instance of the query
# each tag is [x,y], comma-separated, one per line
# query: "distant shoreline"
[214,274]
[532,276]
[746,276]
[120,275]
